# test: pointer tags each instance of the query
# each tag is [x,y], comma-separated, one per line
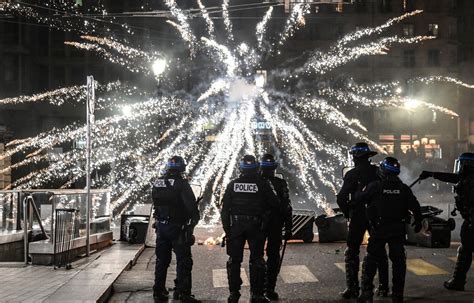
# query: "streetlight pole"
[90,121]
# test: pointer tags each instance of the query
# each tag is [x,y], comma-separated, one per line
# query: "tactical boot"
[382,291]
[234,297]
[463,263]
[349,293]
[259,298]
[271,294]
[453,284]
[188,299]
[367,296]
[160,295]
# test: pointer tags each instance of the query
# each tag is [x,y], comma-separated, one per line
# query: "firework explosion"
[136,139]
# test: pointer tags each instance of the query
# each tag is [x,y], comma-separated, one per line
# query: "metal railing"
[66,228]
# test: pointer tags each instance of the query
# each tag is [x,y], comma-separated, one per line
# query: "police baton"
[282,254]
[414,182]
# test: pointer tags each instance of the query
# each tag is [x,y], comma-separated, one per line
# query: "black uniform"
[176,215]
[355,180]
[388,204]
[245,208]
[282,216]
[464,190]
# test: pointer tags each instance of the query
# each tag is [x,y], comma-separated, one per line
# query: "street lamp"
[127,110]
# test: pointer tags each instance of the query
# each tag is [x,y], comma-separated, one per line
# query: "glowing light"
[144,131]
[411,104]
[398,90]
[159,67]
[127,110]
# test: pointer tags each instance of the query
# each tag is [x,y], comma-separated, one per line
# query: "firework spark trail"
[433,79]
[294,141]
[310,157]
[142,178]
[224,54]
[323,110]
[131,66]
[219,85]
[61,164]
[207,18]
[56,21]
[374,30]
[322,63]
[62,95]
[295,21]
[227,22]
[127,51]
[320,109]
[182,26]
[262,27]
[70,133]
[350,98]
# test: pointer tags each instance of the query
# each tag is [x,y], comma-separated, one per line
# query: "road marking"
[454,259]
[219,278]
[291,274]
[422,268]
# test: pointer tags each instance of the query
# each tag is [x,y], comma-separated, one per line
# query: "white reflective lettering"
[245,188]
[391,191]
[161,182]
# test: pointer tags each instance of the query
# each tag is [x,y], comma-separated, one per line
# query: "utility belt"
[386,221]
[242,218]
[169,220]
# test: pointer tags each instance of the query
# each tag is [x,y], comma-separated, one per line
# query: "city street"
[311,272]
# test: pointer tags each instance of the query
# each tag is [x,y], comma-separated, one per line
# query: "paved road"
[312,272]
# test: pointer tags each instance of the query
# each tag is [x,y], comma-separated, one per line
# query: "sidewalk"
[90,280]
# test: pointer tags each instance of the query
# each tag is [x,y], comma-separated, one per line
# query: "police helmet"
[464,164]
[176,164]
[248,164]
[268,162]
[389,167]
[362,150]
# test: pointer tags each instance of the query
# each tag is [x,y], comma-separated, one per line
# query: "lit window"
[433,29]
[409,30]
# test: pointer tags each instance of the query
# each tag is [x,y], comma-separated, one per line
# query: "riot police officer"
[246,205]
[176,215]
[362,174]
[463,177]
[281,217]
[388,204]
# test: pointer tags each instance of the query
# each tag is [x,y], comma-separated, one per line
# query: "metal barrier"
[65,229]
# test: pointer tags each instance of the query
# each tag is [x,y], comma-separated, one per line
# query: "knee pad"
[351,254]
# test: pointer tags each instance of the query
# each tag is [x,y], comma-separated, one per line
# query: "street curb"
[107,294]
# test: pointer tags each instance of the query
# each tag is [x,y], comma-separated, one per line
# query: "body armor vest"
[247,197]
[167,200]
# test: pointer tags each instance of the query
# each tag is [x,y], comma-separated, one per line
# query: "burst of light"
[398,90]
[149,130]
[159,67]
[411,104]
[127,110]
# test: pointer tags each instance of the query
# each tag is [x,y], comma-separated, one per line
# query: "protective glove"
[417,225]
[425,175]
[288,234]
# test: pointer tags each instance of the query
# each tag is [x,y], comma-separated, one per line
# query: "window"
[433,57]
[433,29]
[386,6]
[361,6]
[409,30]
[409,58]
[409,5]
